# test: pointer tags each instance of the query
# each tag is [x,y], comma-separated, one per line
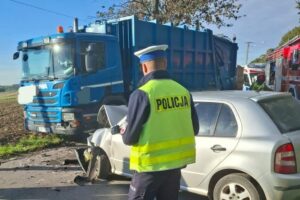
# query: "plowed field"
[11,118]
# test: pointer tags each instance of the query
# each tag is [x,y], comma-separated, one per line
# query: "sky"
[264,24]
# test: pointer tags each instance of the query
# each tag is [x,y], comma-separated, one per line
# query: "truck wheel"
[235,186]
[99,165]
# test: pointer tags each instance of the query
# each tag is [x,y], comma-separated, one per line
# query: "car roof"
[236,95]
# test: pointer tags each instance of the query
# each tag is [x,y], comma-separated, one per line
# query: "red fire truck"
[283,68]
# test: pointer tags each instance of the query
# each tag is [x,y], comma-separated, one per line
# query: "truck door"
[105,83]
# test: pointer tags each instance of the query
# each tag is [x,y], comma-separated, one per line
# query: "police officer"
[162,122]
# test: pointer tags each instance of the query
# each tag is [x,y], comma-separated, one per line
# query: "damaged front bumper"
[83,156]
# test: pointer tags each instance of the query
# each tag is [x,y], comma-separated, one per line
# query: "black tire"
[236,186]
[99,165]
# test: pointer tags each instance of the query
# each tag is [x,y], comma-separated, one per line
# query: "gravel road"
[45,175]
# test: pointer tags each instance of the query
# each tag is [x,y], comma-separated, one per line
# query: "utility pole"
[247,51]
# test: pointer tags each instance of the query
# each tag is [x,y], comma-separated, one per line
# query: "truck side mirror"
[25,57]
[16,55]
[91,59]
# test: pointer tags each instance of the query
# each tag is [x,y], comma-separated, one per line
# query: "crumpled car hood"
[110,115]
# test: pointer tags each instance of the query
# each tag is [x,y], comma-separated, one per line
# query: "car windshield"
[284,111]
[48,62]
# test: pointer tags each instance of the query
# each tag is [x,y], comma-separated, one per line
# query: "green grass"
[8,97]
[30,143]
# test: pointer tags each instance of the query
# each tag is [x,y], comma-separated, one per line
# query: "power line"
[39,8]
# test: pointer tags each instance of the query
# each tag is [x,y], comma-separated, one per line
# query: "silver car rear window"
[284,111]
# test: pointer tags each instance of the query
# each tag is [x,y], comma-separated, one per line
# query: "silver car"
[248,146]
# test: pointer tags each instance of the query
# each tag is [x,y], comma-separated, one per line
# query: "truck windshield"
[48,62]
[284,112]
[257,65]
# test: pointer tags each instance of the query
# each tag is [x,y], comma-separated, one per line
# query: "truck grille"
[44,101]
[44,124]
[43,116]
[46,94]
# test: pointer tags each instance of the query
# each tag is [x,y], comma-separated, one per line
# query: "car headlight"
[68,116]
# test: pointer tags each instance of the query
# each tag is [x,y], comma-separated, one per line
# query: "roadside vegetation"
[30,143]
[9,88]
[13,138]
[6,97]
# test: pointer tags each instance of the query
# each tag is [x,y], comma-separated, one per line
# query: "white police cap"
[151,53]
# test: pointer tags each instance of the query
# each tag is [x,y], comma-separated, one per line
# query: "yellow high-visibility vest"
[167,138]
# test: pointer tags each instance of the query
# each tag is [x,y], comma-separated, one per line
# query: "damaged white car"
[248,146]
[106,153]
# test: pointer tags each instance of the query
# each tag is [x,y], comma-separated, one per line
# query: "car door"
[217,137]
[120,154]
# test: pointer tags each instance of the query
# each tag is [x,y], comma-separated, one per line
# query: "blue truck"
[67,76]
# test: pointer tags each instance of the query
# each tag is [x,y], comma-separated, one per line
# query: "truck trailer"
[67,76]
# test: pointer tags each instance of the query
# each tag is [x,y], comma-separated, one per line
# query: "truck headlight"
[68,116]
[34,115]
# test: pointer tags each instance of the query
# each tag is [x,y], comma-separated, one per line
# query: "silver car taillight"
[285,160]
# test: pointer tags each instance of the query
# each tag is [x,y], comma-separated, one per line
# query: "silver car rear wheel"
[235,187]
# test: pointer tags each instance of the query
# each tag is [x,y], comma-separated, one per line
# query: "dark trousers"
[163,185]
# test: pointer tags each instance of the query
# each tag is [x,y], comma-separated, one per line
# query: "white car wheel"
[235,187]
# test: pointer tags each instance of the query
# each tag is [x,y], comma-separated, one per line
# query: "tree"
[260,59]
[188,12]
[290,35]
[294,32]
[298,5]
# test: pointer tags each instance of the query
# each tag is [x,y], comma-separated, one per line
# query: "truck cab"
[65,76]
[283,68]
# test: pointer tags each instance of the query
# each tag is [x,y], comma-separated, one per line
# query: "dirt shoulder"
[11,118]
[44,175]
[40,169]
